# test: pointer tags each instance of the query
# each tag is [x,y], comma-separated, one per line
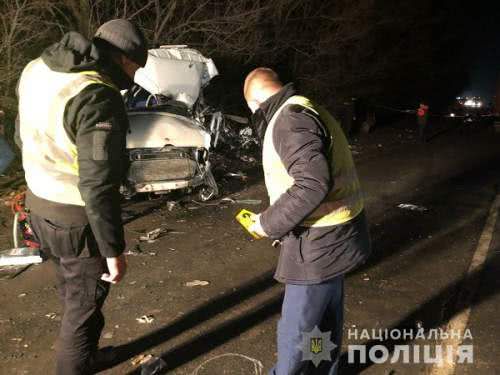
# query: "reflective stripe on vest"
[345,201]
[50,158]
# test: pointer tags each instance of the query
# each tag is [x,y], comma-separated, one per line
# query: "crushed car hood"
[177,72]
[158,129]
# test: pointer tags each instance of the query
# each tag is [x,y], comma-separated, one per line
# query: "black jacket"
[96,121]
[308,255]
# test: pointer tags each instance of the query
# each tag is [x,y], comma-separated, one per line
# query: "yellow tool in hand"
[246,219]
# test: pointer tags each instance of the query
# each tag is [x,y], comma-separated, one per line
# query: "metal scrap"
[248,159]
[231,201]
[241,201]
[237,175]
[152,235]
[197,283]
[146,319]
[135,251]
[140,359]
[247,138]
[20,256]
[412,207]
[171,205]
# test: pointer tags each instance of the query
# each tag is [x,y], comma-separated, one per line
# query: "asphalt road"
[415,279]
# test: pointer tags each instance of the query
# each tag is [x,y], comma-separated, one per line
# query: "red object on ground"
[17,207]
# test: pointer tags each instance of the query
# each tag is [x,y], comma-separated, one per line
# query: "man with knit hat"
[72,127]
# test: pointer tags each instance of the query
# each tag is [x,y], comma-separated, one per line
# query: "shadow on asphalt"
[464,128]
[449,204]
[397,234]
[211,339]
[445,304]
[429,314]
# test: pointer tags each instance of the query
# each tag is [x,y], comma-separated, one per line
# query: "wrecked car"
[172,129]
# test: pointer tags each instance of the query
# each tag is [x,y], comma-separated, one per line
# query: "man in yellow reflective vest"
[316,211]
[72,126]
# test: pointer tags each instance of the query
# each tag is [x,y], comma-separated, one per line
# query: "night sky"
[484,46]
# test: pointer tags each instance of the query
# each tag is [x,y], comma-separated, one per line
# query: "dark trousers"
[422,129]
[304,308]
[79,267]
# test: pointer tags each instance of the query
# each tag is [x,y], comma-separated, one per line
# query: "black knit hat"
[126,37]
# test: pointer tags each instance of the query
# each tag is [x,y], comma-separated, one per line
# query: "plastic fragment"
[20,256]
[237,175]
[140,359]
[412,207]
[197,283]
[241,201]
[146,319]
[152,235]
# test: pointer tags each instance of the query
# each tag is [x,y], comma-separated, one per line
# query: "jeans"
[79,267]
[304,307]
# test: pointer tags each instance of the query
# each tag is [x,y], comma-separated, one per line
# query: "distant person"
[6,154]
[72,126]
[316,211]
[348,116]
[422,121]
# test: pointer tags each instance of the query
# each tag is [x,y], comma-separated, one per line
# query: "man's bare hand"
[117,267]
[256,227]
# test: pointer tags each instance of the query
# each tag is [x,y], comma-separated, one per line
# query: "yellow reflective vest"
[50,159]
[345,201]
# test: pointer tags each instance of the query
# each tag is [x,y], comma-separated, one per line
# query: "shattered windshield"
[139,99]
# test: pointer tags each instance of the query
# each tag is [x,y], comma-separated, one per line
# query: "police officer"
[316,211]
[72,126]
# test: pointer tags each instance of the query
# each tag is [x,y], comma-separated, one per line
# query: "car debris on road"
[197,283]
[20,256]
[228,200]
[412,207]
[151,365]
[153,235]
[135,251]
[237,175]
[146,319]
[140,359]
[51,316]
[242,201]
